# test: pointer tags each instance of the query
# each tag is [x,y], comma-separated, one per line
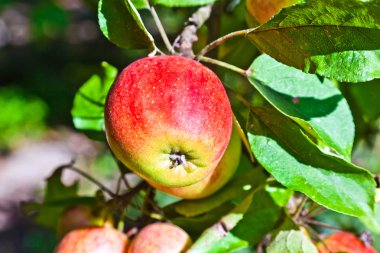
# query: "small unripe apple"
[74,217]
[81,216]
[344,242]
[93,240]
[168,119]
[260,11]
[217,179]
[160,238]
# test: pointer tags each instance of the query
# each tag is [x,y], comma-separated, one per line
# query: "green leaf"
[291,242]
[88,108]
[162,199]
[317,105]
[352,66]
[224,244]
[238,187]
[122,25]
[140,4]
[260,218]
[366,98]
[306,36]
[197,224]
[182,3]
[55,200]
[280,195]
[287,223]
[372,222]
[287,153]
[217,239]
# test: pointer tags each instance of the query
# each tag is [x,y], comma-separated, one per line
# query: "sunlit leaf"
[352,66]
[217,238]
[306,36]
[314,103]
[140,4]
[89,101]
[291,242]
[285,151]
[122,25]
[280,195]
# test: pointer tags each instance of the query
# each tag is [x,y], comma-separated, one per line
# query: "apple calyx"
[177,159]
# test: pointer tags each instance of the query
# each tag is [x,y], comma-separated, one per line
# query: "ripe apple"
[168,119]
[217,179]
[160,238]
[93,240]
[344,242]
[260,11]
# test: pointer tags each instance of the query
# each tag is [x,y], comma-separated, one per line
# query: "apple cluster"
[156,237]
[169,120]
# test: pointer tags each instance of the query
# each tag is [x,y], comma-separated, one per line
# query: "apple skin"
[160,238]
[260,11]
[168,119]
[217,179]
[93,240]
[344,242]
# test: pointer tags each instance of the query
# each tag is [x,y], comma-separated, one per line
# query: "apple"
[74,217]
[160,238]
[344,242]
[93,240]
[217,179]
[81,216]
[168,119]
[260,11]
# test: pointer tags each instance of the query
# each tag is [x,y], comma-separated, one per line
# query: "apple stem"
[220,40]
[243,137]
[300,207]
[161,30]
[224,65]
[118,185]
[124,200]
[320,224]
[316,212]
[70,166]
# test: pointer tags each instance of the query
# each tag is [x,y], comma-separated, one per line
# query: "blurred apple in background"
[344,242]
[160,238]
[260,11]
[93,240]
